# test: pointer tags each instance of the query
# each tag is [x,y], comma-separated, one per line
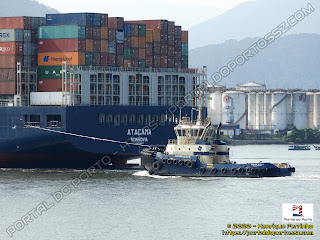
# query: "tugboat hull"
[189,166]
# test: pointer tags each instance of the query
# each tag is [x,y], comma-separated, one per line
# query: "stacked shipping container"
[164,44]
[18,43]
[76,38]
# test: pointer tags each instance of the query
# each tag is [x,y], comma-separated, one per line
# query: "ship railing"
[131,69]
[33,124]
[54,124]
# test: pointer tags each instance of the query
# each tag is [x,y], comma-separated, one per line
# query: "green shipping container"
[142,63]
[127,53]
[62,32]
[89,58]
[142,30]
[184,49]
[50,72]
[184,62]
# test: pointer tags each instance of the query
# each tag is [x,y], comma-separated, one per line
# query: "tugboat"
[299,147]
[196,153]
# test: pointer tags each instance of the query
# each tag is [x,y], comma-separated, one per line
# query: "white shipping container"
[11,35]
[50,98]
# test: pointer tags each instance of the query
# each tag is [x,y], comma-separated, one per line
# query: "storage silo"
[309,103]
[259,111]
[251,110]
[299,110]
[316,111]
[234,108]
[279,111]
[267,110]
[214,107]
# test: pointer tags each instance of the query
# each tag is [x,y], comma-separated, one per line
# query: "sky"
[184,12]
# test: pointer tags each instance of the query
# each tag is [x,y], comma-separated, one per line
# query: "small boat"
[316,147]
[299,147]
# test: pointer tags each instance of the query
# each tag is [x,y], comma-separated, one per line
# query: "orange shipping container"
[134,42]
[149,35]
[127,63]
[53,85]
[104,33]
[56,59]
[104,46]
[142,53]
[142,42]
[15,23]
[7,88]
[11,48]
[157,35]
[89,45]
[10,61]
[184,36]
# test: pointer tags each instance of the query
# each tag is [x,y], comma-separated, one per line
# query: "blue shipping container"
[69,19]
[96,19]
[127,29]
[112,47]
[120,37]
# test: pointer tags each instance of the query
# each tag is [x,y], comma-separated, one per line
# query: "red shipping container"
[104,33]
[62,45]
[184,36]
[142,42]
[10,61]
[134,42]
[7,87]
[149,49]
[104,59]
[15,23]
[116,22]
[164,62]
[8,74]
[11,48]
[153,24]
[127,63]
[149,61]
[49,85]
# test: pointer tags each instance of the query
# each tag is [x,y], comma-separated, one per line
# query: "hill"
[254,19]
[12,8]
[290,62]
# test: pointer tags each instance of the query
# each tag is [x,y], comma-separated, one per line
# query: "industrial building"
[253,107]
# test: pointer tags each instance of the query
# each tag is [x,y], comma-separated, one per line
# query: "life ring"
[164,161]
[202,170]
[224,170]
[156,165]
[169,161]
[186,162]
[214,170]
[180,162]
[175,161]
[234,170]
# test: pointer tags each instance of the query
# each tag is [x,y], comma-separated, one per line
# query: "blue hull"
[25,147]
[172,165]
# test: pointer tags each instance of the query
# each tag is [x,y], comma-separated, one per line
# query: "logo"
[226,99]
[297,212]
[199,148]
[46,59]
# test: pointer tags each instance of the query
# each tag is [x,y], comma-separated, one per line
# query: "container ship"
[69,80]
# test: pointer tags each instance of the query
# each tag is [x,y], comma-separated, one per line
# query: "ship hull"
[72,144]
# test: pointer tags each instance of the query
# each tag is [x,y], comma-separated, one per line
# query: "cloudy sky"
[184,12]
